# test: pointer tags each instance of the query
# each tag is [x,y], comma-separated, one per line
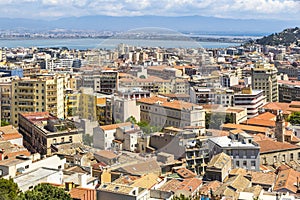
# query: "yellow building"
[264,77]
[95,106]
[45,93]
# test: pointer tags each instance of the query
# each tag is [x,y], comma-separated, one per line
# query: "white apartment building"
[250,99]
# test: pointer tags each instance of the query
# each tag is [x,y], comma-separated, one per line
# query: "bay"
[96,43]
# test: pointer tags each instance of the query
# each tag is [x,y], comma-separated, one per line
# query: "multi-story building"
[264,77]
[161,112]
[71,102]
[125,108]
[45,93]
[250,99]
[41,131]
[289,91]
[240,146]
[107,82]
[5,101]
[229,79]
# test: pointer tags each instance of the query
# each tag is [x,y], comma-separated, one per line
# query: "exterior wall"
[160,116]
[265,77]
[37,140]
[288,93]
[37,95]
[107,195]
[103,139]
[247,158]
[124,108]
[280,156]
[251,102]
[5,103]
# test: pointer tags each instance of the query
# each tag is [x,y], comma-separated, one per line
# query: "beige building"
[264,77]
[162,112]
[41,131]
[218,167]
[125,108]
[45,93]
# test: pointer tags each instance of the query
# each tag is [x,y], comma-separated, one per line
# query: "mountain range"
[187,24]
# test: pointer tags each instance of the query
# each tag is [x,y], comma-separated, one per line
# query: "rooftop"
[225,141]
[173,104]
[271,146]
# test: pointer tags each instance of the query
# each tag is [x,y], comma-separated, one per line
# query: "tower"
[280,127]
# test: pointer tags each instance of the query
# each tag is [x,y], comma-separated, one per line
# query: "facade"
[122,192]
[125,108]
[107,83]
[37,95]
[240,147]
[162,112]
[276,153]
[289,91]
[264,77]
[104,135]
[5,101]
[41,130]
[250,99]
[218,167]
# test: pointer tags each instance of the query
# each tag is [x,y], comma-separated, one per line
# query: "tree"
[45,191]
[294,118]
[4,123]
[181,197]
[9,190]
[147,128]
[131,119]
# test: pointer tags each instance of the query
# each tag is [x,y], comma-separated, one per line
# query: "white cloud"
[272,9]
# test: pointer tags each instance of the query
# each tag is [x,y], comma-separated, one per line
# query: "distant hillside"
[187,24]
[286,37]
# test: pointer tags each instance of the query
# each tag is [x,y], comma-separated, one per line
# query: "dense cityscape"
[144,122]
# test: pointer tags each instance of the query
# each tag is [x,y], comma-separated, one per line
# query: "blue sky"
[241,9]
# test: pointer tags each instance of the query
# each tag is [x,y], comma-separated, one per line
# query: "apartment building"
[250,99]
[264,77]
[42,130]
[161,112]
[5,101]
[289,91]
[107,82]
[44,93]
[240,146]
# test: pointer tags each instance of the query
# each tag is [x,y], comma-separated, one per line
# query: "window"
[237,163]
[275,159]
[252,163]
[71,138]
[283,158]
[244,163]
[27,166]
[292,156]
[62,140]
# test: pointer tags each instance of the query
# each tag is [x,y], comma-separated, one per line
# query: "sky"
[239,9]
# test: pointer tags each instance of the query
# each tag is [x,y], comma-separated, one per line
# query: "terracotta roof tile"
[270,146]
[114,126]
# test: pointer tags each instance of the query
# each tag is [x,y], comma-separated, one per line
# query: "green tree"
[45,191]
[294,118]
[181,197]
[8,189]
[131,119]
[4,123]
[147,128]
